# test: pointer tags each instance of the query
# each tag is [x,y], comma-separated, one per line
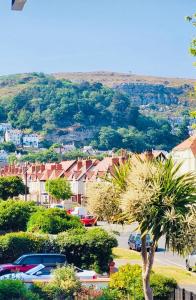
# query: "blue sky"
[147,37]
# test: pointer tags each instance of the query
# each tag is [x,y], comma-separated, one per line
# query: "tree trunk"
[147,263]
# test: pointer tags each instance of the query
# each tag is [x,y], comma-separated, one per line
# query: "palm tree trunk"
[147,263]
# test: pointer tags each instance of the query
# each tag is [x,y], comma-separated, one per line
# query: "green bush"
[15,289]
[14,215]
[88,249]
[13,245]
[52,220]
[128,280]
[63,285]
[111,294]
[162,286]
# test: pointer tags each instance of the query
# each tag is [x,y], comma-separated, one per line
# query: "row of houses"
[81,172]
[18,137]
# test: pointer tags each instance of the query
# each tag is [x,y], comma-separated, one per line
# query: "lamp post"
[18,4]
[25,174]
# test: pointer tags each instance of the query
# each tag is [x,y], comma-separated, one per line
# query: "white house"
[14,136]
[5,126]
[30,140]
[186,153]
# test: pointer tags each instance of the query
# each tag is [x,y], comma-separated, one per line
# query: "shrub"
[52,220]
[162,286]
[14,215]
[13,245]
[64,285]
[15,289]
[11,186]
[128,280]
[91,249]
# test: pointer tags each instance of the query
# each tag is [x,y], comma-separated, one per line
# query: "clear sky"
[147,37]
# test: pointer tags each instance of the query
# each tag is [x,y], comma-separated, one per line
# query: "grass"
[122,253]
[180,275]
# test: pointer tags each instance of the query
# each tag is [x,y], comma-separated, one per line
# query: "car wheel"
[187,266]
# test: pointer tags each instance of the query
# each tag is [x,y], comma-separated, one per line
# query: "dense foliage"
[14,215]
[16,289]
[52,220]
[54,106]
[11,186]
[83,248]
[59,188]
[128,281]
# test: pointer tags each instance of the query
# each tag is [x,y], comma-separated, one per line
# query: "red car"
[88,220]
[29,261]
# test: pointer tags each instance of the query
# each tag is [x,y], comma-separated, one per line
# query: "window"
[50,259]
[31,260]
[45,271]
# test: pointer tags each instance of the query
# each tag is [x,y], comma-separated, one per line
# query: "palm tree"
[162,202]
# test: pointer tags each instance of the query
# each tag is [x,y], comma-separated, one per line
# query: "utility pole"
[25,174]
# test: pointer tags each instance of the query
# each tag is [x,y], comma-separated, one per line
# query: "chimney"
[59,167]
[149,155]
[87,164]
[79,165]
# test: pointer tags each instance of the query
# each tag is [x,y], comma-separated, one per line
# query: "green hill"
[94,112]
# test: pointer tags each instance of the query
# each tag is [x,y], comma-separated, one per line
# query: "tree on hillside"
[163,203]
[59,188]
[192,50]
[11,186]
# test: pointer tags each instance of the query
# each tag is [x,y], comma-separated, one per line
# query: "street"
[162,257]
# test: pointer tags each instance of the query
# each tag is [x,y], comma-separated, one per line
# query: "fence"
[182,294]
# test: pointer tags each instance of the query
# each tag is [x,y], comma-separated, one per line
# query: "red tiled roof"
[190,143]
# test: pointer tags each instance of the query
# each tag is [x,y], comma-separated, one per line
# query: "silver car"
[191,261]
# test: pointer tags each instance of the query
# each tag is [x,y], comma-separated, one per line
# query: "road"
[162,257]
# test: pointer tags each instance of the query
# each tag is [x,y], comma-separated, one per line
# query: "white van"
[79,211]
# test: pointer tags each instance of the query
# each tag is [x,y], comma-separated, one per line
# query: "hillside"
[106,111]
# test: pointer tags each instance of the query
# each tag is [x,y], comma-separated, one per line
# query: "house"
[14,136]
[5,126]
[185,153]
[30,140]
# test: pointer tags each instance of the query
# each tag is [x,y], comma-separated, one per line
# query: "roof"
[190,144]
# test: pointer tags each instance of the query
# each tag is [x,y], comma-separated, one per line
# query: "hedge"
[13,245]
[84,248]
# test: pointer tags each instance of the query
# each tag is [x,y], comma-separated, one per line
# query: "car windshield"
[17,262]
[35,270]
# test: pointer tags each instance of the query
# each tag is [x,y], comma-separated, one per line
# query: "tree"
[59,188]
[163,204]
[8,146]
[11,186]
[102,200]
[52,221]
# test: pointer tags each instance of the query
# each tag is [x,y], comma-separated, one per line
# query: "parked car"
[42,272]
[29,261]
[60,206]
[135,242]
[88,220]
[191,261]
